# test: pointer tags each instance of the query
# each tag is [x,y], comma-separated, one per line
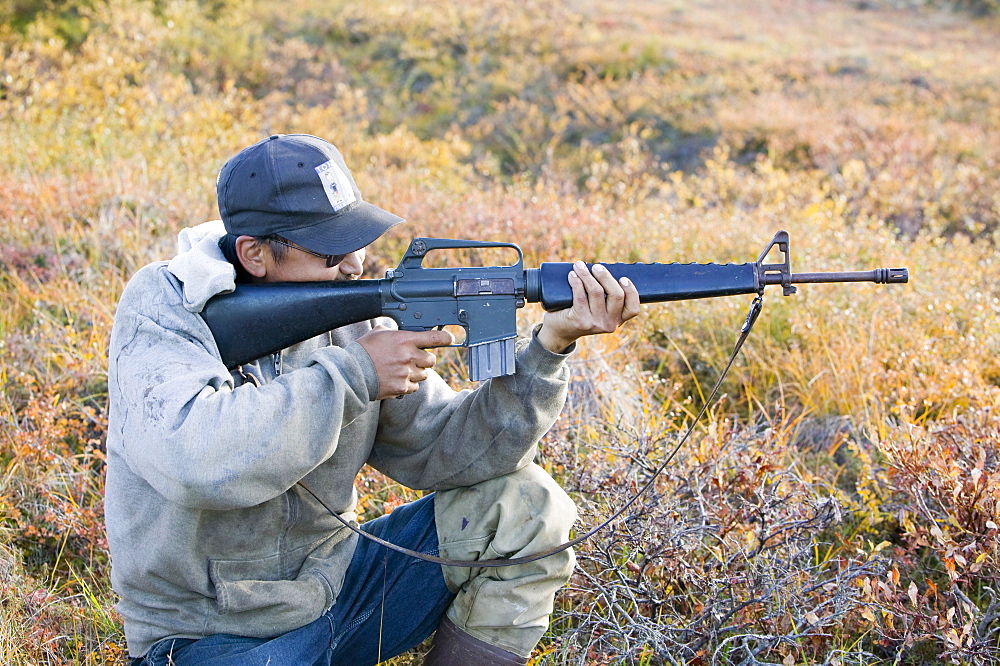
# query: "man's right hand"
[400,357]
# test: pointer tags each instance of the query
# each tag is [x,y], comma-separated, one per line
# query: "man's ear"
[251,255]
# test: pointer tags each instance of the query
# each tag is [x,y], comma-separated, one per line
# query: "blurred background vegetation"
[839,503]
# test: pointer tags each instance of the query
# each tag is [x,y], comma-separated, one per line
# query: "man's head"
[292,195]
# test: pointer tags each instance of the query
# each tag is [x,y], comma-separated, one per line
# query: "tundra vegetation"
[838,504]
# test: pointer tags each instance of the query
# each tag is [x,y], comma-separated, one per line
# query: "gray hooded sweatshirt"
[207,529]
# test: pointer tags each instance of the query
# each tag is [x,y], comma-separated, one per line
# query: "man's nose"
[353,263]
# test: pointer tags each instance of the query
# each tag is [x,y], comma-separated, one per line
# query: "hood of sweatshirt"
[200,265]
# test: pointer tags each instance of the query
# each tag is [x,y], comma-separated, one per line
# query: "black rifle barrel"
[878,276]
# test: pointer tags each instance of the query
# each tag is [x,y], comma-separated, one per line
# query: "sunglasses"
[331,259]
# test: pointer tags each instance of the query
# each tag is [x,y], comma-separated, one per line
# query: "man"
[220,556]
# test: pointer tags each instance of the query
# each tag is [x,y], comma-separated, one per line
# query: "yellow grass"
[838,503]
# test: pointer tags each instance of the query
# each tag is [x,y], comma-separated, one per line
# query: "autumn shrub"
[941,499]
[732,556]
[837,505]
[55,590]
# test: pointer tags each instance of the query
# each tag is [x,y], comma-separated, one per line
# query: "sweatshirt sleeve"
[437,439]
[199,440]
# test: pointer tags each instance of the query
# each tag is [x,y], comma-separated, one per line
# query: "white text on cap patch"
[336,185]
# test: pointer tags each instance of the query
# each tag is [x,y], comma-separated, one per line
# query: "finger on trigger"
[441,338]
[447,339]
[431,338]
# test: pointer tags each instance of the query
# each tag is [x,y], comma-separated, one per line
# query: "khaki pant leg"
[511,516]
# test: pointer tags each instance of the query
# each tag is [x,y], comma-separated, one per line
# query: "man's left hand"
[600,305]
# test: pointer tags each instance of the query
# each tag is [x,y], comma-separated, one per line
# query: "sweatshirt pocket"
[254,587]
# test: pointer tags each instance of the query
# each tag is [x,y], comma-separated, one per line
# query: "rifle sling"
[755,308]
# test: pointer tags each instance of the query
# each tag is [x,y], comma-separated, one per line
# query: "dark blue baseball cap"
[297,186]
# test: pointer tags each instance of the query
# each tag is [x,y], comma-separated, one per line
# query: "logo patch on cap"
[336,185]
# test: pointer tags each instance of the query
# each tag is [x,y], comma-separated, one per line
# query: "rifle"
[259,319]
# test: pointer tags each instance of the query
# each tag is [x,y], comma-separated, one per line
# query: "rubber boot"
[454,647]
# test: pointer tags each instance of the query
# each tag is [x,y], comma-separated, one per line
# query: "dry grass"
[839,503]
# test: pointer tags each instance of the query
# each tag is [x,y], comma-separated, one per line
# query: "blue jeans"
[390,602]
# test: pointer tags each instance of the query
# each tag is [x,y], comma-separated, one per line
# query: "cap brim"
[349,230]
